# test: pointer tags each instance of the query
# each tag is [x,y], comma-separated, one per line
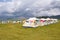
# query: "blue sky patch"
[5,0]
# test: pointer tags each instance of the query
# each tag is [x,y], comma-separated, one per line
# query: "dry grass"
[17,32]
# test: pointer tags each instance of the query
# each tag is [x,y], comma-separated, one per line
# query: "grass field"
[17,32]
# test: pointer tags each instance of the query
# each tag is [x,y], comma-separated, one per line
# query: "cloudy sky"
[36,7]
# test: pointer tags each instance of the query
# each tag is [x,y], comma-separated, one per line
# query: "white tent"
[35,22]
[31,22]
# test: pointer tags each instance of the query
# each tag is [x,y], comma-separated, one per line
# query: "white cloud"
[42,3]
[10,6]
[45,8]
[27,9]
[37,7]
[50,12]
[55,11]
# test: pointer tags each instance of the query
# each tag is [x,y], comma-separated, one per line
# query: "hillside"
[17,32]
[57,17]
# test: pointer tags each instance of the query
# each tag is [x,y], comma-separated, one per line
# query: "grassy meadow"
[17,32]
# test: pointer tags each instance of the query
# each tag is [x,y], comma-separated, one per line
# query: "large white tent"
[35,22]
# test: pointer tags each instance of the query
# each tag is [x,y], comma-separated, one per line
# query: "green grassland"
[17,32]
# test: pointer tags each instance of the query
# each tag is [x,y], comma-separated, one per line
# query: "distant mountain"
[57,17]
